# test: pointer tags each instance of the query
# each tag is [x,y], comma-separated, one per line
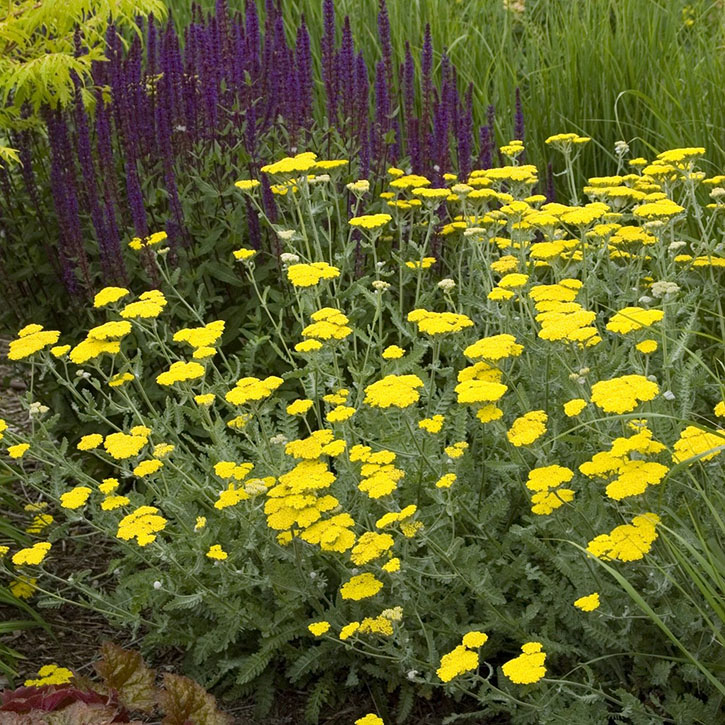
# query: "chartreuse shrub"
[485,459]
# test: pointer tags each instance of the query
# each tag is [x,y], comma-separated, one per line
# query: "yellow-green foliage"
[37,48]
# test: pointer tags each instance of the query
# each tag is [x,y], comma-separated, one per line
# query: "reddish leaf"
[126,673]
[186,702]
[81,713]
[46,698]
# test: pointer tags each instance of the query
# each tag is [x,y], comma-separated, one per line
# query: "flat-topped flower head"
[31,339]
[439,323]
[252,389]
[108,295]
[629,319]
[588,603]
[149,305]
[361,586]
[201,336]
[495,347]
[623,394]
[308,275]
[247,184]
[370,221]
[292,164]
[397,391]
[527,428]
[629,542]
[180,372]
[142,524]
[138,243]
[528,667]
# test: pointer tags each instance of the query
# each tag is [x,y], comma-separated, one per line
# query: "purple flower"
[328,58]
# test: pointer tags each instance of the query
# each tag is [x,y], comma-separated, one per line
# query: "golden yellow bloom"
[588,603]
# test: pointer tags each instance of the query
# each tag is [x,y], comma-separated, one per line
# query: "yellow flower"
[393,352]
[122,445]
[446,481]
[457,662]
[424,263]
[369,719]
[59,350]
[474,639]
[527,428]
[399,391]
[647,347]
[204,399]
[628,542]
[108,295]
[120,379]
[340,413]
[89,442]
[437,323]
[252,389]
[588,603]
[200,523]
[156,238]
[246,184]
[308,275]
[18,450]
[150,304]
[319,628]
[572,408]
[370,546]
[299,407]
[180,372]
[31,339]
[146,468]
[308,346]
[392,565]
[31,556]
[243,254]
[142,524]
[292,164]
[108,485]
[497,347]
[527,667]
[113,502]
[50,675]
[432,425]
[370,221]
[216,552]
[361,586]
[23,587]
[623,394]
[633,318]
[75,498]
[694,442]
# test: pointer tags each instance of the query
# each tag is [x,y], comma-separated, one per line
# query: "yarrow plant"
[431,480]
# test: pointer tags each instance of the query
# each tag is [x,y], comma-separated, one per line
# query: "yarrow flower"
[399,391]
[588,603]
[527,428]
[438,323]
[528,667]
[623,394]
[75,498]
[308,275]
[142,524]
[31,556]
[50,675]
[180,372]
[252,389]
[31,339]
[108,295]
[370,221]
[628,542]
[361,586]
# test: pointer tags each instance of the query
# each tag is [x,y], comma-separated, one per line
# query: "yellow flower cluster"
[528,428]
[528,667]
[695,442]
[327,324]
[439,323]
[545,482]
[623,394]
[50,675]
[149,305]
[399,391]
[379,476]
[628,542]
[308,275]
[252,389]
[624,466]
[142,524]
[462,659]
[31,339]
[125,445]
